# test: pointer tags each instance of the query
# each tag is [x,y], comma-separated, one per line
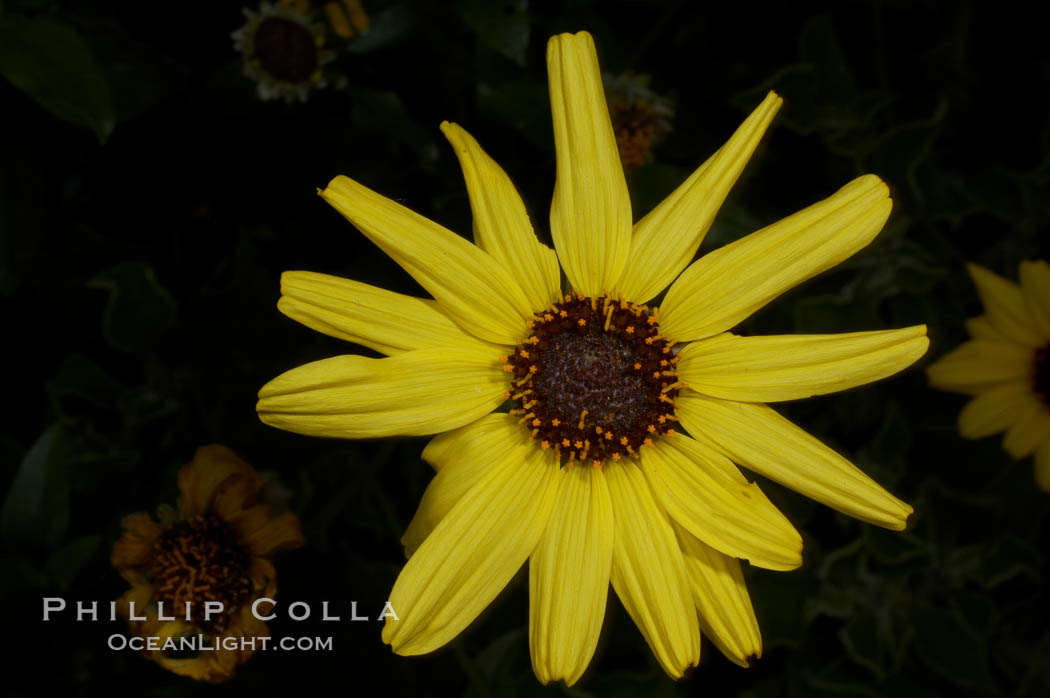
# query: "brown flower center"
[285,49]
[201,560]
[594,380]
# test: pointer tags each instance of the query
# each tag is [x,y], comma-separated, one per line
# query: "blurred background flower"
[286,47]
[1006,365]
[641,118]
[217,549]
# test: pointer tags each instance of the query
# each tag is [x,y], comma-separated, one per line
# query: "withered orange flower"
[217,550]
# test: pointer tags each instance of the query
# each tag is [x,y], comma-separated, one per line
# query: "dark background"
[144,233]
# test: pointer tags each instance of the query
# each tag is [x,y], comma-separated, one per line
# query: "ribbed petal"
[759,439]
[648,572]
[501,223]
[472,554]
[729,284]
[703,491]
[472,287]
[1035,284]
[789,367]
[722,602]
[979,364]
[388,322]
[472,440]
[569,577]
[591,210]
[995,409]
[1005,306]
[466,455]
[353,397]
[1031,429]
[1042,466]
[666,240]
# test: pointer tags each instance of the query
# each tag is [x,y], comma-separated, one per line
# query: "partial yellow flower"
[218,550]
[1005,365]
[617,463]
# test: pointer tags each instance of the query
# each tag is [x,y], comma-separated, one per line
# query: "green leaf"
[523,105]
[386,28]
[64,564]
[36,510]
[51,63]
[139,307]
[949,647]
[861,639]
[503,27]
[80,377]
[384,112]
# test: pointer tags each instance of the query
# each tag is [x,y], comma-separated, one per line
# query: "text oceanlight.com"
[193,644]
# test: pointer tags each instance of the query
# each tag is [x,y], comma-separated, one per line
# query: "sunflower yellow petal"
[995,409]
[1035,284]
[353,397]
[501,223]
[569,577]
[665,241]
[789,367]
[1042,466]
[981,328]
[978,365]
[473,440]
[472,287]
[722,602]
[759,439]
[466,455]
[1005,306]
[1031,429]
[388,322]
[591,209]
[727,285]
[701,490]
[648,572]
[472,554]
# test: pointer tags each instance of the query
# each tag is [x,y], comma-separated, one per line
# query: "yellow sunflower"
[1005,365]
[217,551]
[591,478]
